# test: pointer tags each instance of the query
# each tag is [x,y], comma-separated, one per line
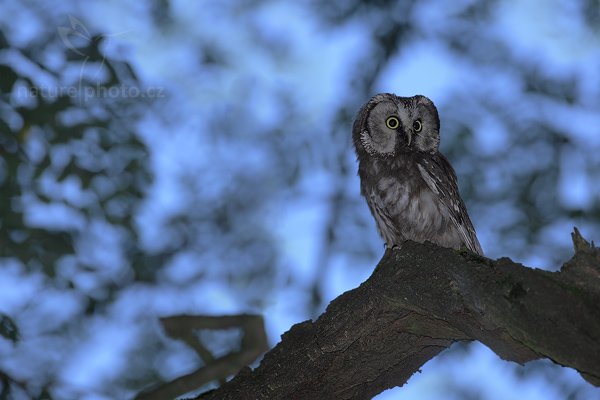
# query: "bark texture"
[418,301]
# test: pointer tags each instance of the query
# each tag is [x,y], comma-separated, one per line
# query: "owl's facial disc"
[381,127]
[389,125]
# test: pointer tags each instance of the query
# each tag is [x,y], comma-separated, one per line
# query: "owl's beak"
[409,136]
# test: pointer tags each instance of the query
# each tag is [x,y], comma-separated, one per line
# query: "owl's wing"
[441,179]
[388,229]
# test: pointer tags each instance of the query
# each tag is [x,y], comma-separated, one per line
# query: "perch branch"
[418,301]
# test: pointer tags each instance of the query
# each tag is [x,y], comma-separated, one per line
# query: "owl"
[410,187]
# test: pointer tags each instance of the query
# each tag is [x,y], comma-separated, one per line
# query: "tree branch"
[418,301]
[254,343]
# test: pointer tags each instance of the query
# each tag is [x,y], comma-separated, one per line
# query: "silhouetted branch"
[418,301]
[254,343]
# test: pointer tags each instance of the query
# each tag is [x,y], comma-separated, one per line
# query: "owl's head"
[389,125]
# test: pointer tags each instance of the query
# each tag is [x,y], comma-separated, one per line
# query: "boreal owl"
[410,187]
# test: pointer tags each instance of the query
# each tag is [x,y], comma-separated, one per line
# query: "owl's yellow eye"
[392,122]
[417,125]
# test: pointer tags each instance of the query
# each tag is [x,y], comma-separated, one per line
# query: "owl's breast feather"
[404,208]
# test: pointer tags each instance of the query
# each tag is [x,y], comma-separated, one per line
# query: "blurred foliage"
[78,175]
[76,137]
[74,173]
[8,329]
[59,139]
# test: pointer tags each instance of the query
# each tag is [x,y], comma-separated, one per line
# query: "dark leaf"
[8,328]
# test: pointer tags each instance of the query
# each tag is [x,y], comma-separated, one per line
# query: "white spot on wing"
[428,179]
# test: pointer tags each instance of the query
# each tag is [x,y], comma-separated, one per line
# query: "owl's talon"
[393,247]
